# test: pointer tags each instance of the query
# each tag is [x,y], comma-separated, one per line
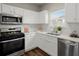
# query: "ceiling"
[37,4]
[31,6]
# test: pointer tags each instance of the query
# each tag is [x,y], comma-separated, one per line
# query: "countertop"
[62,37]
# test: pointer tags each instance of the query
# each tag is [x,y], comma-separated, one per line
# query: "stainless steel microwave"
[10,19]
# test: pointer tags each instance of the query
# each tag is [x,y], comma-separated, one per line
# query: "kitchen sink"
[53,33]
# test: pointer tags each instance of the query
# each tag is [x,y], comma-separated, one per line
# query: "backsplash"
[75,27]
[36,27]
[68,28]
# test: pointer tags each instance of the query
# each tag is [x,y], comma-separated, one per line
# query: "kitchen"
[39,29]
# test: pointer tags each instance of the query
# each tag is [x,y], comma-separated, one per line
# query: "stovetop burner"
[8,35]
[11,36]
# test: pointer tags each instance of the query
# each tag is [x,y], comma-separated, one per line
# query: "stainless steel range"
[11,42]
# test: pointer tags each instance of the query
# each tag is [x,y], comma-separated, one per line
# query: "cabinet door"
[7,9]
[48,47]
[47,43]
[29,17]
[43,16]
[70,12]
[0,7]
[32,17]
[77,11]
[27,41]
[30,43]
[26,18]
[18,11]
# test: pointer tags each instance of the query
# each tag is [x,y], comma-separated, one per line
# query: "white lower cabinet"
[29,41]
[47,43]
[48,47]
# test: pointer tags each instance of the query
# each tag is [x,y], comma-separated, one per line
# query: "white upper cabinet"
[77,11]
[43,16]
[70,12]
[18,11]
[29,17]
[32,17]
[0,7]
[12,10]
[7,9]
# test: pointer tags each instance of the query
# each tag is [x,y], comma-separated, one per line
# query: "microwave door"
[10,20]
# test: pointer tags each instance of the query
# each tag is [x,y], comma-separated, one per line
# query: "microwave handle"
[12,40]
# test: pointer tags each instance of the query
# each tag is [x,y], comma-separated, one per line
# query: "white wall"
[69,28]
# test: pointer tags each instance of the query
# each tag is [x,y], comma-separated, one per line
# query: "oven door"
[11,46]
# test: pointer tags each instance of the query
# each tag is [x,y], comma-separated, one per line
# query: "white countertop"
[62,37]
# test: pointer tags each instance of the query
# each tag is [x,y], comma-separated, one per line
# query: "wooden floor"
[36,52]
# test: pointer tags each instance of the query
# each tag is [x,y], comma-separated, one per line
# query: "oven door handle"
[12,40]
